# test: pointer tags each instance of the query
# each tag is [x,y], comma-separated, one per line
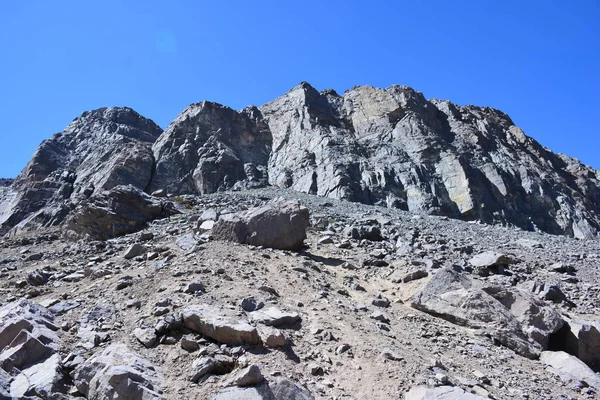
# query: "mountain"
[388,147]
[99,150]
[300,250]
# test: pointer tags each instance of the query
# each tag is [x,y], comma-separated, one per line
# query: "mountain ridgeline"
[389,147]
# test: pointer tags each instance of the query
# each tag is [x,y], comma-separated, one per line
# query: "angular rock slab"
[117,373]
[439,393]
[119,211]
[23,351]
[569,368]
[278,225]
[30,316]
[510,316]
[285,389]
[220,325]
[262,392]
[273,316]
[538,319]
[42,379]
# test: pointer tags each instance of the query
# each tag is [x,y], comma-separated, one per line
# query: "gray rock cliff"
[99,150]
[393,147]
[388,147]
[210,147]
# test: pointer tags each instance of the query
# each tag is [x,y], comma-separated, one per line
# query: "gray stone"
[186,242]
[44,379]
[440,393]
[414,275]
[390,147]
[220,325]
[31,317]
[589,345]
[251,304]
[489,261]
[206,365]
[194,287]
[278,225]
[206,225]
[273,316]
[249,376]
[262,392]
[285,389]
[395,148]
[223,148]
[209,215]
[119,211]
[271,337]
[146,336]
[511,316]
[64,306]
[24,350]
[380,301]
[118,373]
[134,250]
[569,368]
[98,151]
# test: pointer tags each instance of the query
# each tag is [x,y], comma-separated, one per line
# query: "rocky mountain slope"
[99,150]
[379,303]
[387,147]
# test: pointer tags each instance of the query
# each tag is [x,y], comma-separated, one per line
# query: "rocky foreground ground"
[377,304]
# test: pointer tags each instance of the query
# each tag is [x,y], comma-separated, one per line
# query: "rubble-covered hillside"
[272,294]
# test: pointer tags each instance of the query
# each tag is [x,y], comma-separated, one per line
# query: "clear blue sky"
[539,61]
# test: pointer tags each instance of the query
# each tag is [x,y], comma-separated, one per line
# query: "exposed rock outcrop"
[509,315]
[393,147]
[99,150]
[121,210]
[388,147]
[117,373]
[278,225]
[210,147]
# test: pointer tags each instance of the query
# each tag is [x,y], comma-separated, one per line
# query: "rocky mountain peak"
[122,121]
[99,150]
[384,146]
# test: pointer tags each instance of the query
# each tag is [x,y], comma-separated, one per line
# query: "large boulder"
[117,373]
[99,150]
[511,316]
[27,335]
[220,325]
[589,345]
[570,369]
[44,379]
[119,211]
[282,389]
[439,393]
[278,224]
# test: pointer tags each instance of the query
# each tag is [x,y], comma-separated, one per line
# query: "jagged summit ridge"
[389,147]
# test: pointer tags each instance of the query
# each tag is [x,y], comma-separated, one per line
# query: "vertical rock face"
[393,147]
[210,147]
[99,150]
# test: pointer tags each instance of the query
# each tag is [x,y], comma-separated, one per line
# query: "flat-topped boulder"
[221,325]
[278,225]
